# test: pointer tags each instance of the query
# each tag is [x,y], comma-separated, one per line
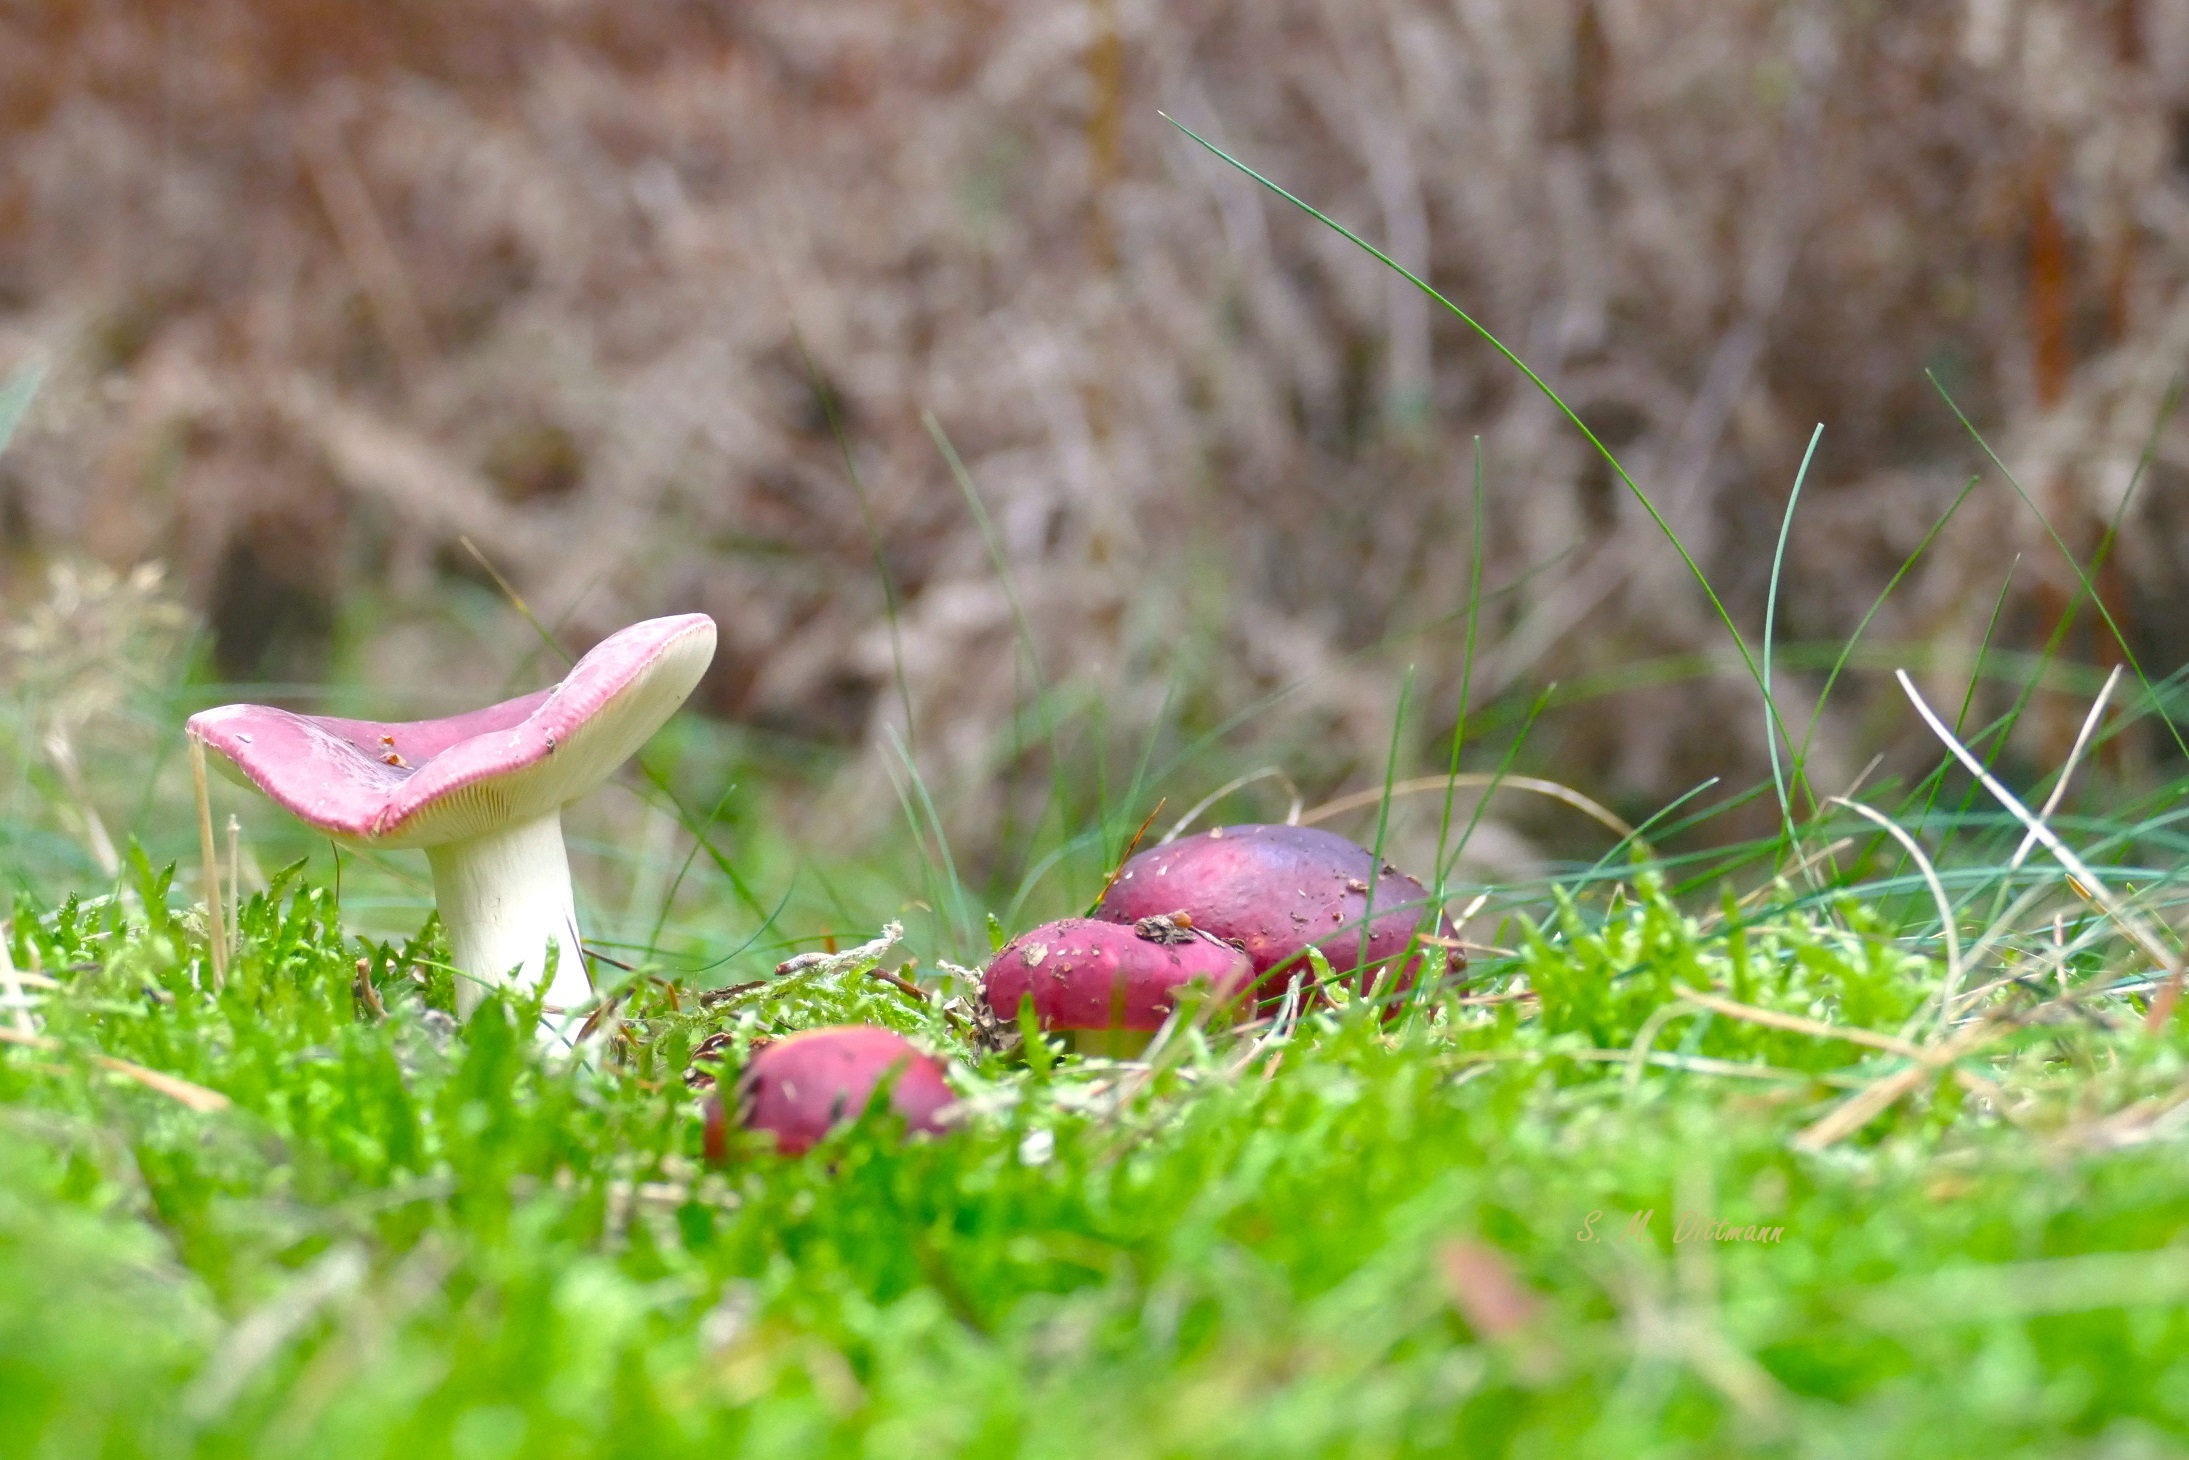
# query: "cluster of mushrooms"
[1227,916]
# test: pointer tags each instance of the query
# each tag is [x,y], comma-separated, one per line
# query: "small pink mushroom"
[1110,986]
[481,793]
[802,1087]
[1273,891]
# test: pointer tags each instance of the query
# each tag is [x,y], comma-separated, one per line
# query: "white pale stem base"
[504,896]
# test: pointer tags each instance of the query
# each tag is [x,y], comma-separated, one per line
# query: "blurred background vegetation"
[345,308]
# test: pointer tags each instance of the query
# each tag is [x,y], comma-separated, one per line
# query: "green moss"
[408,1239]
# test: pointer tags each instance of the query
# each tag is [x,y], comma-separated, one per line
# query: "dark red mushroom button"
[1273,891]
[800,1088]
[1111,986]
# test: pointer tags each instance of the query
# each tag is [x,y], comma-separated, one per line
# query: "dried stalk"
[197,1097]
[216,940]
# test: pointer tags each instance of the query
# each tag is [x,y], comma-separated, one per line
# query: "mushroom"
[1272,891]
[1111,987]
[482,793]
[800,1088]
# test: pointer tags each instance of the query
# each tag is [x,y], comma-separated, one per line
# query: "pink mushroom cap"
[802,1087]
[1277,889]
[422,783]
[1083,973]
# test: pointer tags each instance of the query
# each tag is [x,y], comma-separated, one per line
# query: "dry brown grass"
[328,284]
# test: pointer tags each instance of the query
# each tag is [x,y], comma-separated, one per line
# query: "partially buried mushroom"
[481,793]
[800,1088]
[1274,891]
[1111,986]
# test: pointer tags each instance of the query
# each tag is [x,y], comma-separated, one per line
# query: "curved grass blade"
[1488,337]
[1771,720]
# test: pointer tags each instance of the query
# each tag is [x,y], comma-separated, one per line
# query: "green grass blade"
[1771,721]
[1968,698]
[1490,338]
[1383,821]
[890,607]
[15,399]
[1059,783]
[1816,714]
[1466,689]
[2085,585]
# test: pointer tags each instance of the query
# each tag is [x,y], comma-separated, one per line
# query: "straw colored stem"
[1796,1024]
[1602,815]
[1858,1112]
[1237,783]
[1952,937]
[197,1097]
[216,937]
[2067,768]
[2079,876]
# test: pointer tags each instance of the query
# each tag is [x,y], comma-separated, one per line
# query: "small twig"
[866,955]
[1851,1115]
[367,995]
[899,981]
[708,998]
[1131,847]
[599,1016]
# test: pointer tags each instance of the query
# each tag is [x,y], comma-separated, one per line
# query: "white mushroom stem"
[504,896]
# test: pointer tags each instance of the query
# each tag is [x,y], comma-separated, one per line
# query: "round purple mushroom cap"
[802,1087]
[1274,890]
[1086,974]
[481,792]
